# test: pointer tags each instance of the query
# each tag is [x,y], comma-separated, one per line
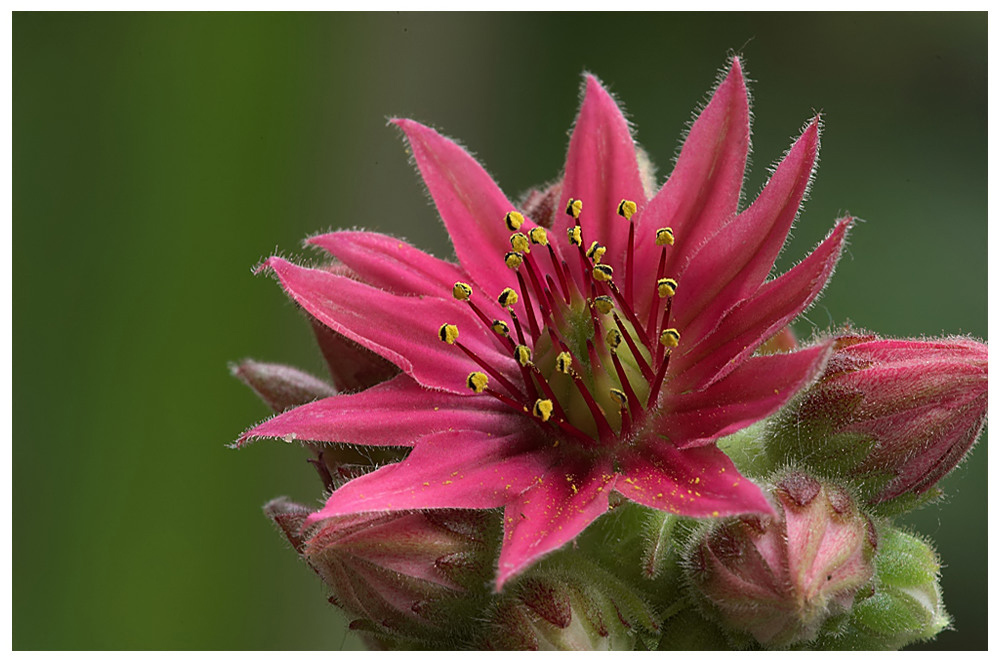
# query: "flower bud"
[401,573]
[780,579]
[892,416]
[281,387]
[904,604]
[573,606]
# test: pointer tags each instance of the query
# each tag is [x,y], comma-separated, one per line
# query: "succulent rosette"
[597,339]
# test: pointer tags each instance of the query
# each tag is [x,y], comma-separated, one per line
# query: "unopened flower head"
[595,339]
[900,414]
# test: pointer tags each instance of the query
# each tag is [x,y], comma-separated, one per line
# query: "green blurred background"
[158,157]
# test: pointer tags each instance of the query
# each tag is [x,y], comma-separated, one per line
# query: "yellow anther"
[542,409]
[574,207]
[507,298]
[626,208]
[604,304]
[603,272]
[596,252]
[664,237]
[461,291]
[539,236]
[564,362]
[523,355]
[477,381]
[514,221]
[666,287]
[448,333]
[519,242]
[513,259]
[619,396]
[500,328]
[614,339]
[575,235]
[670,338]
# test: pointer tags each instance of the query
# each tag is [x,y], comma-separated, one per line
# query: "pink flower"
[576,354]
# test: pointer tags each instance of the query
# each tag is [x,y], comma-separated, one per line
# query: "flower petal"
[703,190]
[396,413]
[391,264]
[601,170]
[757,388]
[452,469]
[552,513]
[695,482]
[471,205]
[757,318]
[735,262]
[403,330]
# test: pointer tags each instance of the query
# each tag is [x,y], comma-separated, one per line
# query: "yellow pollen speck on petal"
[477,381]
[665,237]
[603,272]
[715,513]
[574,207]
[539,236]
[513,260]
[626,208]
[513,220]
[670,338]
[542,410]
[619,396]
[575,235]
[507,298]
[500,328]
[461,291]
[564,362]
[596,252]
[666,287]
[448,333]
[573,487]
[604,304]
[614,339]
[523,355]
[519,242]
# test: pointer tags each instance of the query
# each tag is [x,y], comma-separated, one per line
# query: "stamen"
[514,220]
[558,268]
[517,327]
[604,304]
[448,333]
[654,390]
[626,208]
[519,242]
[538,235]
[644,368]
[477,381]
[633,400]
[513,390]
[665,237]
[532,326]
[603,272]
[618,396]
[462,291]
[666,287]
[575,235]
[513,260]
[625,307]
[574,207]
[564,362]
[507,298]
[596,252]
[670,338]
[614,339]
[654,307]
[523,355]
[542,409]
[500,328]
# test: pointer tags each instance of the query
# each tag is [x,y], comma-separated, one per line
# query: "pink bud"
[780,579]
[397,571]
[920,404]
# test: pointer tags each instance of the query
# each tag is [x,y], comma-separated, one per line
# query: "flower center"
[589,366]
